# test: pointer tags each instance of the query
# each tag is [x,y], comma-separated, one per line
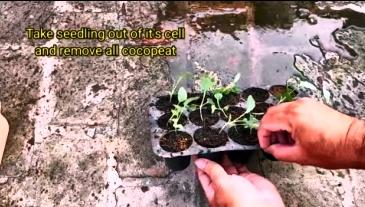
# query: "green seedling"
[182,107]
[218,97]
[225,90]
[207,83]
[230,88]
[182,77]
[250,122]
[287,96]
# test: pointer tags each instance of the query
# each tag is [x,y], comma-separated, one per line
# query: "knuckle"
[299,107]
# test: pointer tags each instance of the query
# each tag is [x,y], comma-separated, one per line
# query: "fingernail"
[200,164]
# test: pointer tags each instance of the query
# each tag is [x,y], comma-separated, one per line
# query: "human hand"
[234,186]
[310,133]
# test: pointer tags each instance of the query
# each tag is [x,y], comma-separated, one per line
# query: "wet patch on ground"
[260,44]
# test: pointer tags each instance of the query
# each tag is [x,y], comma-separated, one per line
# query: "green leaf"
[182,95]
[250,104]
[178,126]
[213,108]
[175,113]
[229,117]
[218,96]
[252,122]
[234,89]
[237,78]
[210,101]
[189,100]
[206,83]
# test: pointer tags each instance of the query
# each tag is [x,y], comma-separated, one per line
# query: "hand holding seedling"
[310,133]
[232,185]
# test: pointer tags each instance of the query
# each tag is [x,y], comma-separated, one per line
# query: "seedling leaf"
[213,108]
[250,104]
[252,122]
[218,96]
[175,113]
[178,126]
[206,83]
[210,101]
[189,100]
[182,95]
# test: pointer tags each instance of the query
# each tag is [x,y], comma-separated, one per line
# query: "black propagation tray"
[196,149]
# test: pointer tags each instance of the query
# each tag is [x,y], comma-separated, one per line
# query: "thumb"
[212,169]
[284,152]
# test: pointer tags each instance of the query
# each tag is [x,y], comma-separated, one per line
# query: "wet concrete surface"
[79,133]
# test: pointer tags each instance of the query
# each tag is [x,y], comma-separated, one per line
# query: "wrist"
[356,141]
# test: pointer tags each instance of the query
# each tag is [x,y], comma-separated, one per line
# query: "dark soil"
[235,112]
[176,141]
[210,138]
[243,136]
[163,121]
[259,94]
[279,90]
[230,99]
[261,108]
[164,103]
[209,119]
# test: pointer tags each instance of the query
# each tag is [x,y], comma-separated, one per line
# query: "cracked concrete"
[79,133]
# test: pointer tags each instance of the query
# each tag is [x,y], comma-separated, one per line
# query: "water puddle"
[259,40]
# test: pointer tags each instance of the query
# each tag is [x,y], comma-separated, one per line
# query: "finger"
[276,124]
[280,108]
[254,179]
[264,137]
[269,137]
[228,165]
[282,139]
[273,121]
[283,152]
[215,172]
[276,118]
[274,138]
[259,182]
[242,169]
[193,158]
[206,184]
[285,138]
